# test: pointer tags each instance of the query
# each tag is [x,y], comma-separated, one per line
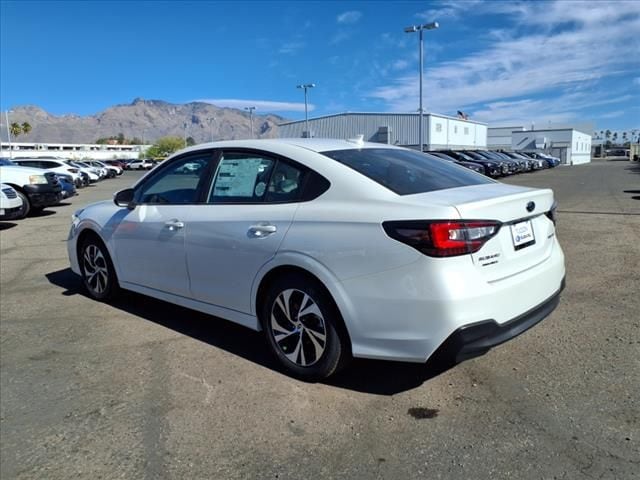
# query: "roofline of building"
[556,130]
[342,114]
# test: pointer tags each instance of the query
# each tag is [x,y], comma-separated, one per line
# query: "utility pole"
[250,109]
[420,29]
[6,117]
[306,86]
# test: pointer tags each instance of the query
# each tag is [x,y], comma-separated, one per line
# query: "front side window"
[241,178]
[406,172]
[178,183]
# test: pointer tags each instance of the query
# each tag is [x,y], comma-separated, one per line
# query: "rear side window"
[406,172]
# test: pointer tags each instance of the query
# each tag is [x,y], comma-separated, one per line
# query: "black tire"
[310,357]
[98,275]
[26,205]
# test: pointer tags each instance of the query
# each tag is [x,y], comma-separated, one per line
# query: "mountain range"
[147,120]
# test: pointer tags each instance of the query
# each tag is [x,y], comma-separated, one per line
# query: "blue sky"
[505,63]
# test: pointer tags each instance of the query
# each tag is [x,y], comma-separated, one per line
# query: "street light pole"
[306,86]
[6,117]
[412,29]
[184,135]
[250,109]
[211,120]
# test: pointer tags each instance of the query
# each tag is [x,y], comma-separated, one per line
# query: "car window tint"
[241,178]
[285,184]
[177,184]
[406,172]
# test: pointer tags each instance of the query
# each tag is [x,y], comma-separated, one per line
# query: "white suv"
[56,166]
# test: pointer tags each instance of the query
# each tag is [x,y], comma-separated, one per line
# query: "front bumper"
[10,213]
[477,339]
[43,195]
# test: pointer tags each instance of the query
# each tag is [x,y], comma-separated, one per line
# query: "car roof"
[317,145]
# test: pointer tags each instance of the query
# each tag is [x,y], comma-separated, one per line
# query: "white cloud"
[614,114]
[261,105]
[565,58]
[339,38]
[448,9]
[399,65]
[351,16]
[289,48]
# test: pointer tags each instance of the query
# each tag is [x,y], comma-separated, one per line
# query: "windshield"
[406,172]
[6,162]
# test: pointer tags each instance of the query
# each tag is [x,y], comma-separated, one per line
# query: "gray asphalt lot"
[143,389]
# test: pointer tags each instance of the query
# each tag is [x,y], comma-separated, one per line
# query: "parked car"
[10,203]
[513,166]
[68,187]
[549,159]
[140,165]
[332,248]
[116,163]
[112,170]
[476,167]
[492,168]
[52,165]
[88,170]
[37,188]
[97,169]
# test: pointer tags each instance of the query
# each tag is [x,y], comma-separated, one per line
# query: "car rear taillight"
[553,213]
[443,238]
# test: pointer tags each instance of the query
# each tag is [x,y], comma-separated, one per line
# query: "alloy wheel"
[95,269]
[298,327]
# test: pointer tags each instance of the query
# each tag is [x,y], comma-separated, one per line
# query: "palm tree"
[15,129]
[26,128]
[615,137]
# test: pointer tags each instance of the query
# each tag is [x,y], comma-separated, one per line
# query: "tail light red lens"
[443,238]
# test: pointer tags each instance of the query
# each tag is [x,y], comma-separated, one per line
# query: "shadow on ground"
[41,213]
[7,225]
[635,168]
[367,376]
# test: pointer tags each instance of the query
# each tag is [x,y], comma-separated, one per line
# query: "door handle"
[174,224]
[261,230]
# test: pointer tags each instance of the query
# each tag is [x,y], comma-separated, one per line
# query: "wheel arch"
[88,232]
[304,265]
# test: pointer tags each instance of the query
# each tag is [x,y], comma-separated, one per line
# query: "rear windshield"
[406,172]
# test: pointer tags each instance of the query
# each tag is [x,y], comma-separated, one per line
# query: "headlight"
[37,179]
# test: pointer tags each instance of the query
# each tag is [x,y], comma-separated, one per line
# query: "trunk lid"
[522,214]
[526,236]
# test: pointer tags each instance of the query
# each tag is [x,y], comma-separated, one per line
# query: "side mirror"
[124,198]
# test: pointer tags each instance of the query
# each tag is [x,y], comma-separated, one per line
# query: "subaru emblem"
[531,206]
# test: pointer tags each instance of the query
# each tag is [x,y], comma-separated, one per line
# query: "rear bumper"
[477,339]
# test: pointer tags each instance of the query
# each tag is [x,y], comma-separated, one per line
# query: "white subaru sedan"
[334,248]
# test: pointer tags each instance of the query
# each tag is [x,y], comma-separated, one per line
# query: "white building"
[439,131]
[75,151]
[569,145]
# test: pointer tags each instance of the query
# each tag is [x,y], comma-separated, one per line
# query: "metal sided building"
[569,145]
[499,138]
[439,131]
